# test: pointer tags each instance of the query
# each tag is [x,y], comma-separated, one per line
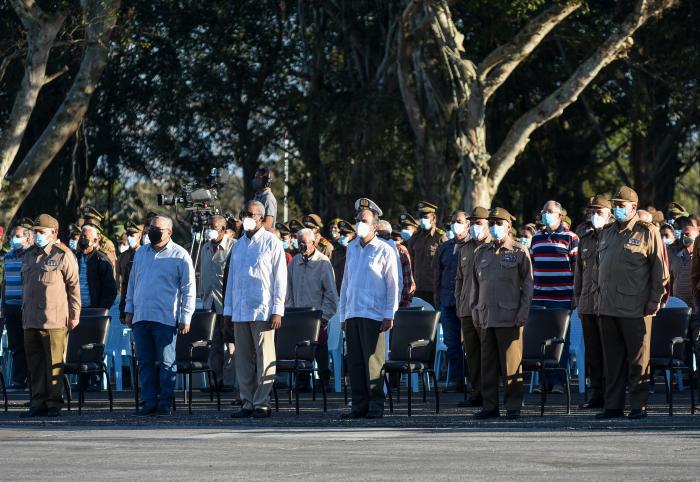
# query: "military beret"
[500,213]
[408,220]
[366,203]
[312,221]
[479,213]
[132,228]
[282,228]
[45,221]
[26,223]
[345,227]
[626,194]
[599,201]
[425,207]
[294,226]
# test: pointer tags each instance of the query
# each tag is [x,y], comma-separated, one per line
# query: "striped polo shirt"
[553,262]
[12,277]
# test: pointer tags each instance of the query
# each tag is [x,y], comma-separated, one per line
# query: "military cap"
[425,207]
[45,221]
[626,194]
[73,229]
[676,210]
[90,213]
[312,221]
[500,213]
[294,226]
[282,228]
[395,229]
[334,221]
[26,223]
[366,203]
[567,220]
[479,213]
[345,227]
[123,238]
[599,201]
[408,220]
[133,228]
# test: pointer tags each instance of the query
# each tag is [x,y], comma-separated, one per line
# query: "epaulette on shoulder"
[441,232]
[519,247]
[586,234]
[646,225]
[481,246]
[63,248]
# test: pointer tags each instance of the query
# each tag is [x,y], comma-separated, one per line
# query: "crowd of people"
[618,268]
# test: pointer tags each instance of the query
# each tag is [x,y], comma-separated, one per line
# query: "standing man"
[585,280]
[347,234]
[160,301]
[368,300]
[263,194]
[500,301]
[50,308]
[423,248]
[631,278]
[255,292]
[311,283]
[20,244]
[471,333]
[409,226]
[447,265]
[125,262]
[680,268]
[93,217]
[98,288]
[213,258]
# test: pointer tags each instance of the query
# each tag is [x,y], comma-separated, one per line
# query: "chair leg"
[296,389]
[410,389]
[110,395]
[277,400]
[691,377]
[544,387]
[425,389]
[437,394]
[189,392]
[69,392]
[568,391]
[4,390]
[213,385]
[388,389]
[669,395]
[325,398]
[218,391]
[345,388]
[81,394]
[312,381]
[290,383]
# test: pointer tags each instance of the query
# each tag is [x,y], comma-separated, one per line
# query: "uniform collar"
[314,257]
[627,225]
[507,245]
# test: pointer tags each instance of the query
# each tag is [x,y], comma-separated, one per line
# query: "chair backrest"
[297,327]
[421,302]
[412,308]
[668,324]
[201,329]
[298,309]
[94,312]
[542,325]
[91,329]
[410,326]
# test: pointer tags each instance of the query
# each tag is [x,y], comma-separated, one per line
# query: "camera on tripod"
[192,197]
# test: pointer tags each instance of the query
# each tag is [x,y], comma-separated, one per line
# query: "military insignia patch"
[635,242]
[508,257]
[52,262]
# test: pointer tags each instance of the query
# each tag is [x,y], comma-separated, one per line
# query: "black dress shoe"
[373,414]
[164,411]
[592,404]
[637,414]
[352,415]
[606,414]
[146,411]
[453,388]
[34,412]
[486,414]
[472,402]
[237,402]
[53,412]
[262,412]
[512,414]
[242,413]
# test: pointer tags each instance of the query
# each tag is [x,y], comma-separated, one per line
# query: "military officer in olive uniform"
[93,217]
[314,223]
[471,335]
[409,226]
[134,232]
[51,307]
[347,234]
[423,247]
[585,276]
[631,278]
[502,286]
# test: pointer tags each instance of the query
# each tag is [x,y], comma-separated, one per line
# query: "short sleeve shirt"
[268,200]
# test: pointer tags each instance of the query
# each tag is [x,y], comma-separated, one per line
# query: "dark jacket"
[101,282]
[124,264]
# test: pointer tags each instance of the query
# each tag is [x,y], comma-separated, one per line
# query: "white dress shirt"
[370,283]
[257,278]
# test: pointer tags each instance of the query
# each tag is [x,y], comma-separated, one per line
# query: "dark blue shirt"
[448,262]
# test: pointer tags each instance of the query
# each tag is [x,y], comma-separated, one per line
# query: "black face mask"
[384,235]
[302,248]
[257,183]
[83,243]
[155,236]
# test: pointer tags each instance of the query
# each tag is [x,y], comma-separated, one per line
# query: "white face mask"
[363,229]
[123,247]
[425,223]
[458,228]
[477,231]
[597,221]
[212,234]
[146,239]
[498,232]
[525,241]
[131,240]
[248,224]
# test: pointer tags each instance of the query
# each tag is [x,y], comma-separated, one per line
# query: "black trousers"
[15,343]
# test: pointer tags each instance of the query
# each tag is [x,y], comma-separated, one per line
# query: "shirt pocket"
[48,275]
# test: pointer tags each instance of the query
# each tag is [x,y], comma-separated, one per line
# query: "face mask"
[131,240]
[385,235]
[476,231]
[294,243]
[343,241]
[550,219]
[17,243]
[425,223]
[498,232]
[450,234]
[597,221]
[668,241]
[249,224]
[155,235]
[212,234]
[688,241]
[146,239]
[83,243]
[406,234]
[335,235]
[363,229]
[73,244]
[303,247]
[257,183]
[677,233]
[285,244]
[123,248]
[620,214]
[42,239]
[458,228]
[527,242]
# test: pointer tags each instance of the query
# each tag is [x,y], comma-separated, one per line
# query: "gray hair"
[168,221]
[384,225]
[95,233]
[645,215]
[257,204]
[306,232]
[557,204]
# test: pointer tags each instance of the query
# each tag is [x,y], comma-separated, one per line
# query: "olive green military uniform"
[502,286]
[51,297]
[423,248]
[631,273]
[471,334]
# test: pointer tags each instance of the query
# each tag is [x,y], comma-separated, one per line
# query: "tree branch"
[551,107]
[500,63]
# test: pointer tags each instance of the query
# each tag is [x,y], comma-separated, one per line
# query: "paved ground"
[210,445]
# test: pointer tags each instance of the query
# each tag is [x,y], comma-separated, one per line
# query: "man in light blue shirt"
[159,301]
[254,301]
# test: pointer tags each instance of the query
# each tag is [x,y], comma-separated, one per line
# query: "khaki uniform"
[585,278]
[501,290]
[107,247]
[51,297]
[471,335]
[326,247]
[423,248]
[631,273]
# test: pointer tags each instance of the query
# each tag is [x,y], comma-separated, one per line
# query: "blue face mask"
[343,241]
[42,240]
[285,244]
[73,244]
[498,232]
[550,219]
[450,235]
[525,241]
[476,231]
[425,223]
[620,214]
[677,233]
[406,234]
[16,243]
[295,243]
